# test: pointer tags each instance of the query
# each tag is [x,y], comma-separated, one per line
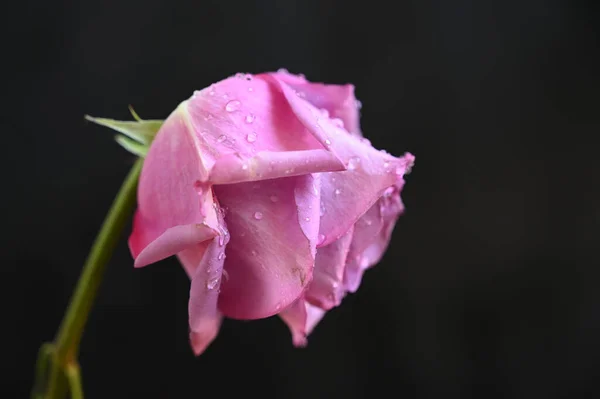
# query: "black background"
[490,287]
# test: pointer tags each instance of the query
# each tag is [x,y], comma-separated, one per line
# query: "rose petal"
[326,288]
[270,258]
[338,100]
[252,135]
[175,209]
[204,318]
[362,256]
[301,318]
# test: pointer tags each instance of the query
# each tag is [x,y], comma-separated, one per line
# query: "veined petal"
[326,288]
[337,100]
[365,253]
[301,318]
[346,196]
[175,209]
[247,135]
[204,317]
[270,257]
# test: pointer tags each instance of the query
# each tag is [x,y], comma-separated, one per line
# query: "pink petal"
[326,288]
[346,196]
[338,100]
[252,135]
[271,254]
[207,263]
[365,252]
[175,209]
[301,317]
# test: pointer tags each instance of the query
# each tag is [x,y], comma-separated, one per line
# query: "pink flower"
[274,203]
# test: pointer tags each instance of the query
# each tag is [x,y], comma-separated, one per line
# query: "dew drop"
[225,275]
[251,137]
[369,222]
[358,104]
[399,170]
[198,187]
[321,239]
[212,283]
[301,94]
[232,106]
[250,89]
[388,191]
[221,256]
[221,138]
[327,142]
[249,118]
[253,253]
[274,198]
[307,219]
[211,93]
[337,191]
[338,122]
[322,210]
[324,112]
[239,75]
[283,70]
[366,141]
[353,163]
[248,77]
[386,164]
[258,215]
[244,167]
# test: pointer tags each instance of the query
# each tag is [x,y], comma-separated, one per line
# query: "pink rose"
[274,203]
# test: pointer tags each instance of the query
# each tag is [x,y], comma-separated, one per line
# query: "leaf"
[132,146]
[142,131]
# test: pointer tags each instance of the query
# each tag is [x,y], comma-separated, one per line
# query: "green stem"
[62,354]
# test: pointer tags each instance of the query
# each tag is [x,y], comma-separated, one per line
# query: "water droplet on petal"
[258,215]
[232,106]
[239,75]
[358,104]
[337,191]
[211,93]
[248,77]
[386,164]
[198,187]
[322,210]
[211,283]
[324,112]
[250,89]
[253,253]
[368,222]
[327,142]
[388,191]
[249,118]
[251,137]
[274,198]
[353,163]
[321,239]
[221,256]
[283,70]
[277,306]
[225,275]
[221,138]
[399,170]
[244,167]
[301,94]
[366,141]
[338,122]
[307,219]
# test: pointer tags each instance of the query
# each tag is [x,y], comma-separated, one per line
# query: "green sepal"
[136,135]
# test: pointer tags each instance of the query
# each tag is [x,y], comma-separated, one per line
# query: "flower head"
[268,194]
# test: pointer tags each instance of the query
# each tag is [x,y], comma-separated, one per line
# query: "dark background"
[490,287]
